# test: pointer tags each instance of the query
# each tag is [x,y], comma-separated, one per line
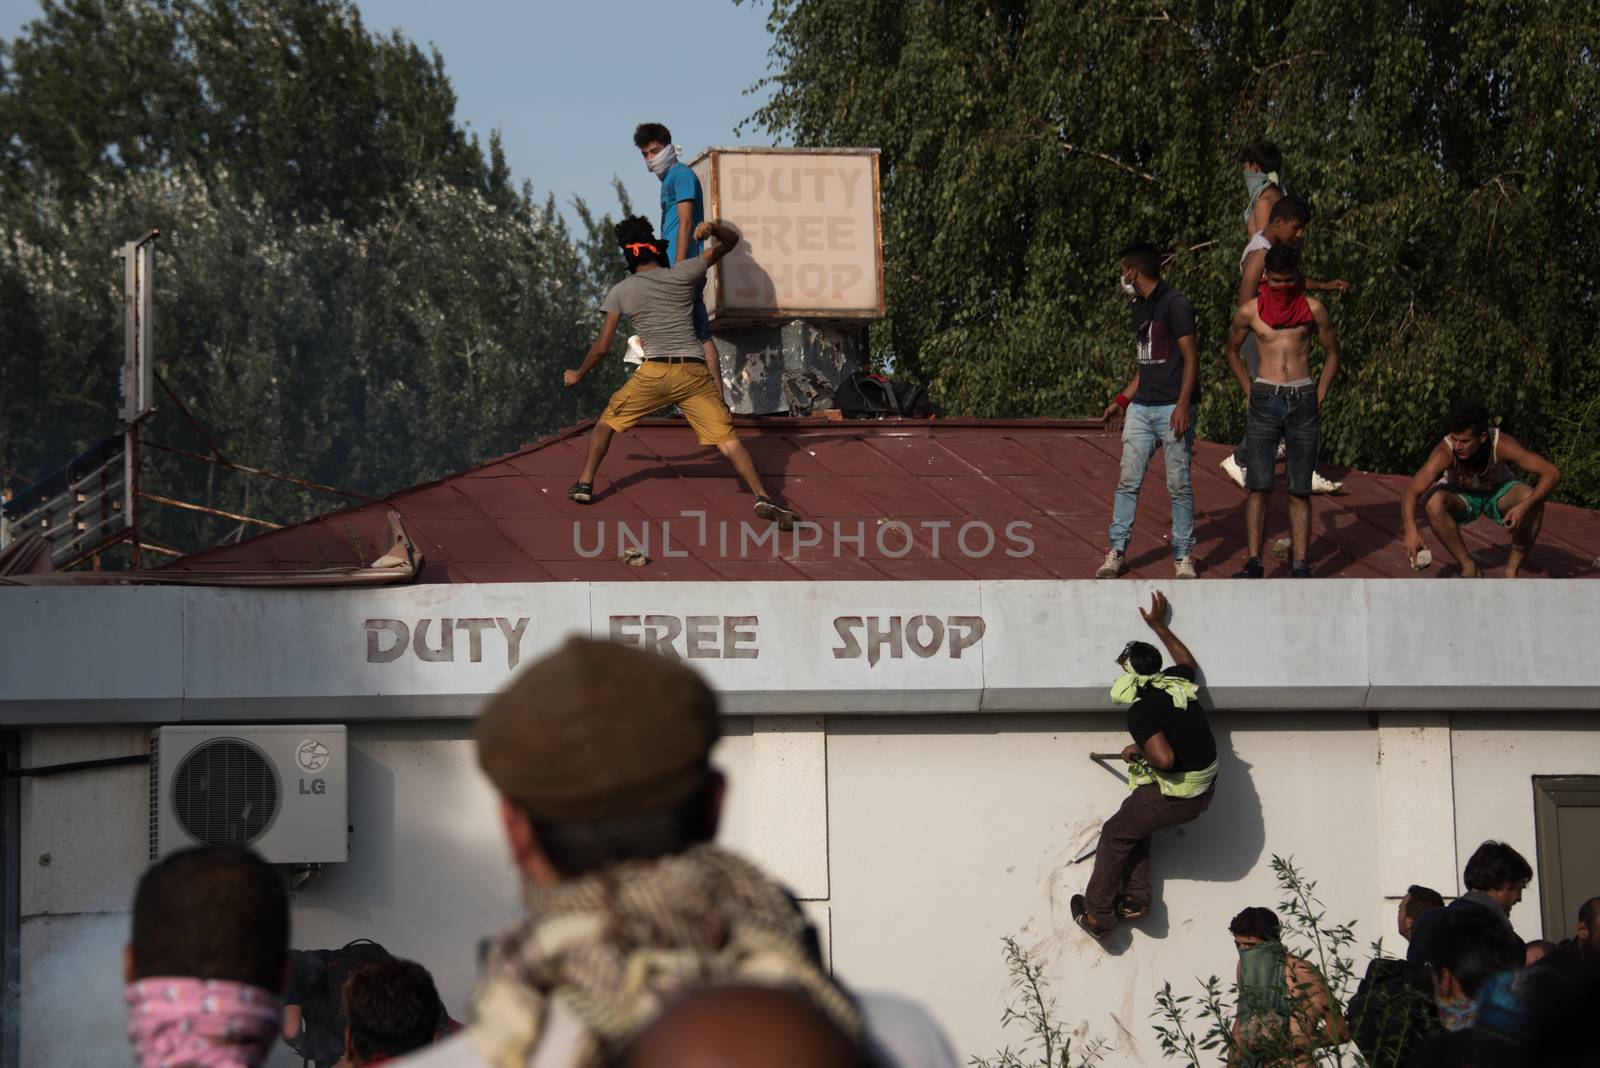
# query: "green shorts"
[1483,503]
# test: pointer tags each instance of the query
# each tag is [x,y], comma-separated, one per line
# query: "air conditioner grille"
[225,792]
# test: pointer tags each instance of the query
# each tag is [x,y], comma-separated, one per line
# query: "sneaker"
[1080,916]
[1324,485]
[1252,569]
[767,508]
[1116,563]
[581,492]
[1231,468]
[1300,569]
[1183,568]
[1129,910]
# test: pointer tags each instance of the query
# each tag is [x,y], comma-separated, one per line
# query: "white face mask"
[663,160]
[1127,286]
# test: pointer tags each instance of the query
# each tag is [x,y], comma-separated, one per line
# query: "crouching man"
[1473,472]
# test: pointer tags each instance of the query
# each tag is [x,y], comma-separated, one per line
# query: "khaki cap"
[598,730]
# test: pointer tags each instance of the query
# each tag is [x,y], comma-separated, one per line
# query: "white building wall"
[1496,757]
[948,838]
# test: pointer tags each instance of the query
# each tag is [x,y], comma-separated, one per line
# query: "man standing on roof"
[1159,403]
[1286,225]
[1172,773]
[683,209]
[657,300]
[1285,401]
[1473,472]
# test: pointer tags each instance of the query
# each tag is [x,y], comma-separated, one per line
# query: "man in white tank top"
[1473,472]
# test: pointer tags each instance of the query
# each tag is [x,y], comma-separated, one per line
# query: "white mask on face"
[662,161]
[1127,286]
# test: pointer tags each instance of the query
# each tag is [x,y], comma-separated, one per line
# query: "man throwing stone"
[1473,472]
[1285,402]
[659,301]
[1172,772]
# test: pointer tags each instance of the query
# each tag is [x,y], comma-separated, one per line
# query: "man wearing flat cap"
[601,754]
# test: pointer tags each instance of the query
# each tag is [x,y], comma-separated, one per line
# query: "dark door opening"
[1566,817]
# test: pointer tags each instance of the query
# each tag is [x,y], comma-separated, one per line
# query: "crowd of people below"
[644,943]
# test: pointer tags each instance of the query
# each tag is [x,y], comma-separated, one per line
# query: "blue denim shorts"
[1288,414]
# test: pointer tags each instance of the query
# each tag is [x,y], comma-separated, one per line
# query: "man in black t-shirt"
[1156,409]
[1172,769]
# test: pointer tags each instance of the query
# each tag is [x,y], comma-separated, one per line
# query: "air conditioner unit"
[279,789]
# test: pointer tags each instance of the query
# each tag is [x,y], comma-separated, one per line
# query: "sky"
[567,82]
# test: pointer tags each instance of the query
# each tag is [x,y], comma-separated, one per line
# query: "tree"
[1452,154]
[347,289]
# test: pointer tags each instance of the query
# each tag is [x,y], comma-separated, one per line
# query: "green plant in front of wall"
[1190,1027]
[1048,1044]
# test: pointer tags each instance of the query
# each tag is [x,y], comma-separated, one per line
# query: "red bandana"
[1283,308]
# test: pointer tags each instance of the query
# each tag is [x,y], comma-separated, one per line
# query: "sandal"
[582,492]
[767,508]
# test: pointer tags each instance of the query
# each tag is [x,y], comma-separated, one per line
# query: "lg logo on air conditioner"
[312,756]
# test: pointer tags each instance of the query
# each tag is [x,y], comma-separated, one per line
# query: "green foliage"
[347,290]
[1451,151]
[1048,1044]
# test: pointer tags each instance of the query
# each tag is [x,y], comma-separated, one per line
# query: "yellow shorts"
[688,385]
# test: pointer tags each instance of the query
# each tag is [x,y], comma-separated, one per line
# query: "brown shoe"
[767,508]
[1080,916]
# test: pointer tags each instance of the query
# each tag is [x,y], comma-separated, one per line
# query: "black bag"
[865,395]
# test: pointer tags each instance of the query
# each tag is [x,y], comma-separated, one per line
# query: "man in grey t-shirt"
[659,303]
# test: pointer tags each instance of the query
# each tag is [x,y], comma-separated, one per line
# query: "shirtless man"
[1286,225]
[1473,472]
[1285,1012]
[1285,403]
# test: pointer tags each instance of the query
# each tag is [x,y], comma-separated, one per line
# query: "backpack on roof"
[868,395]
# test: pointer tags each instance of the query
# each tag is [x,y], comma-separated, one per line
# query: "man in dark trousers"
[1172,772]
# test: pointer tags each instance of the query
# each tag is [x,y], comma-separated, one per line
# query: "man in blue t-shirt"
[683,208]
[1157,408]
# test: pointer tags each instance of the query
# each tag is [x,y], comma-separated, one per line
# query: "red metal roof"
[509,520]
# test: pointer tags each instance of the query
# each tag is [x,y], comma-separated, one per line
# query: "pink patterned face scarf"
[204,1023]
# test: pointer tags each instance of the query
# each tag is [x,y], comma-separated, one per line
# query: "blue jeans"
[1144,427]
[1288,414]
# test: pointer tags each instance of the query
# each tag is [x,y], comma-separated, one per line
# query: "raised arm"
[1237,332]
[1330,348]
[597,351]
[723,239]
[1160,609]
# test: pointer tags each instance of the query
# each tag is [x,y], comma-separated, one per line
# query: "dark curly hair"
[634,232]
[391,1007]
[1496,866]
[1256,922]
